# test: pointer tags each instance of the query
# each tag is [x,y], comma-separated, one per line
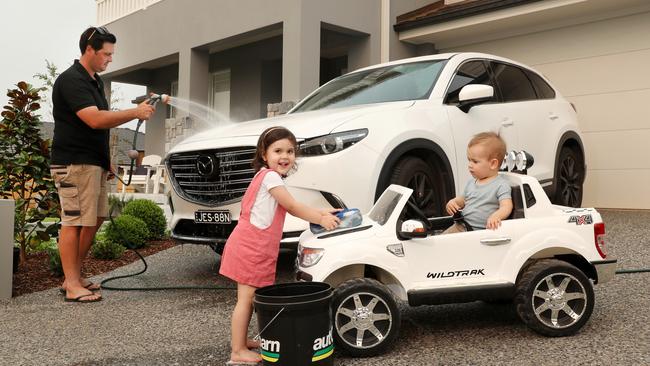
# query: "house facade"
[238,57]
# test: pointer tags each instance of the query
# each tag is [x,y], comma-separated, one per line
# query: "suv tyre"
[554,298]
[415,173]
[570,177]
[366,317]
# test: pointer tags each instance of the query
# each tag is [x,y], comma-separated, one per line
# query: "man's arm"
[98,119]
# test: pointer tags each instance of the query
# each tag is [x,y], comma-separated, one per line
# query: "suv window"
[472,72]
[513,83]
[393,83]
[544,91]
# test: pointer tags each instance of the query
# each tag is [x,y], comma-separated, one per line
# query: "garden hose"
[153,99]
[159,288]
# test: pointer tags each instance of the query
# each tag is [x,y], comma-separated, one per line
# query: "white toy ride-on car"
[544,258]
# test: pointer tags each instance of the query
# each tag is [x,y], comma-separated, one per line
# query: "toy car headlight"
[332,143]
[517,160]
[523,160]
[310,256]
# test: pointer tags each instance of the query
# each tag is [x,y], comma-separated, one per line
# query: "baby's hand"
[329,221]
[452,206]
[493,222]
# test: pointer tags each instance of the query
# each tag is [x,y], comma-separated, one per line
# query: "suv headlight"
[310,256]
[332,143]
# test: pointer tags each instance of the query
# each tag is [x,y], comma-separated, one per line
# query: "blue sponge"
[350,217]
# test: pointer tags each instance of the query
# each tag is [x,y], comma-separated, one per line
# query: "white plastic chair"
[152,177]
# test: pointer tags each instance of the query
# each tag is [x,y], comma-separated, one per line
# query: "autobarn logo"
[581,219]
[270,350]
[323,347]
[461,273]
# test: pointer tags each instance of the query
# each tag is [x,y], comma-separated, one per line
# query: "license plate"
[212,217]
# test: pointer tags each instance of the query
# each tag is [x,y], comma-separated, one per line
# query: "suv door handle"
[553,116]
[507,122]
[496,241]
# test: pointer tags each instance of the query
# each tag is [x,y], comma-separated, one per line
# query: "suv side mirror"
[474,94]
[413,229]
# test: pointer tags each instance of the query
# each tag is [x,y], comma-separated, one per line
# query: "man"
[80,162]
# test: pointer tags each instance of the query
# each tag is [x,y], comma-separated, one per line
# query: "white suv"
[406,122]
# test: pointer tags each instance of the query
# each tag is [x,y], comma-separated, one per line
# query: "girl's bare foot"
[245,355]
[250,343]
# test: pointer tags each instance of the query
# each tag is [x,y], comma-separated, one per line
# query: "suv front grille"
[226,182]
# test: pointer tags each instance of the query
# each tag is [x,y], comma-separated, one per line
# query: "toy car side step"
[461,294]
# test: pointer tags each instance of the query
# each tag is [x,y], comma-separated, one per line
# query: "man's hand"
[144,111]
[111,172]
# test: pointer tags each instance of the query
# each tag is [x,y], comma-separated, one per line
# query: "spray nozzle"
[151,99]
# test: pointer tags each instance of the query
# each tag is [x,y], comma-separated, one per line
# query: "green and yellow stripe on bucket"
[269,356]
[324,353]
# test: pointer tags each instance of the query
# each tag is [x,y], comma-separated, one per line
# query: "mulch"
[35,275]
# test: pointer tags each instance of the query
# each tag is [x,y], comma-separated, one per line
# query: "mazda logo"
[207,166]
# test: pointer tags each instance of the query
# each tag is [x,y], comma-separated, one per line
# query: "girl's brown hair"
[268,137]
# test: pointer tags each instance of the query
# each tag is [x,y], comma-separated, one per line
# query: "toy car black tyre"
[570,178]
[416,174]
[366,317]
[554,298]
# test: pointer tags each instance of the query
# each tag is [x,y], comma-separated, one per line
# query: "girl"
[251,251]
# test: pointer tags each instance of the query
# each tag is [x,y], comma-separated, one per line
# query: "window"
[384,208]
[513,83]
[543,90]
[219,97]
[408,81]
[472,72]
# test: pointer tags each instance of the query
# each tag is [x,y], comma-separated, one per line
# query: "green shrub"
[54,261]
[116,204]
[127,230]
[106,249]
[150,213]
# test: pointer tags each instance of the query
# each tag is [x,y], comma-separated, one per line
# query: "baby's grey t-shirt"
[481,200]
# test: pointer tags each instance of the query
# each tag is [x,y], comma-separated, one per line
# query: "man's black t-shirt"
[74,141]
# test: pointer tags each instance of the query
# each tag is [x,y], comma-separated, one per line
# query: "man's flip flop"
[91,286]
[81,300]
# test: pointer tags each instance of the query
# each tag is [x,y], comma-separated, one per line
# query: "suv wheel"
[570,177]
[366,318]
[416,174]
[554,298]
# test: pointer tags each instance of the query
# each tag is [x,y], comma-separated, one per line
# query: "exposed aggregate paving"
[191,327]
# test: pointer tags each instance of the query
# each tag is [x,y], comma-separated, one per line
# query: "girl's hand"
[329,221]
[494,221]
[331,211]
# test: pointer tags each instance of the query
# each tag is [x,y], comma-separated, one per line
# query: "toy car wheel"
[554,298]
[366,318]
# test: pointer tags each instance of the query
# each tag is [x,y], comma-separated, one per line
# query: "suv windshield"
[386,84]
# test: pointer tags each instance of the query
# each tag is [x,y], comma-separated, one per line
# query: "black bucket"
[295,323]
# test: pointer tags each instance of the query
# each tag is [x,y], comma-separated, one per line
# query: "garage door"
[602,67]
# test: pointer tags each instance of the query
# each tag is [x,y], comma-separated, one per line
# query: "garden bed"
[35,275]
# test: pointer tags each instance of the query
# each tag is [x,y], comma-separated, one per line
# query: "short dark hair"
[267,138]
[95,37]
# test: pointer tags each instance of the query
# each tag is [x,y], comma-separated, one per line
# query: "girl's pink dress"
[251,254]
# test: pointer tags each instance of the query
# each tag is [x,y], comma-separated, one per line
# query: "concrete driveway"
[191,327]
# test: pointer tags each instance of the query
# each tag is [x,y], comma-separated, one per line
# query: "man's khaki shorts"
[83,193]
